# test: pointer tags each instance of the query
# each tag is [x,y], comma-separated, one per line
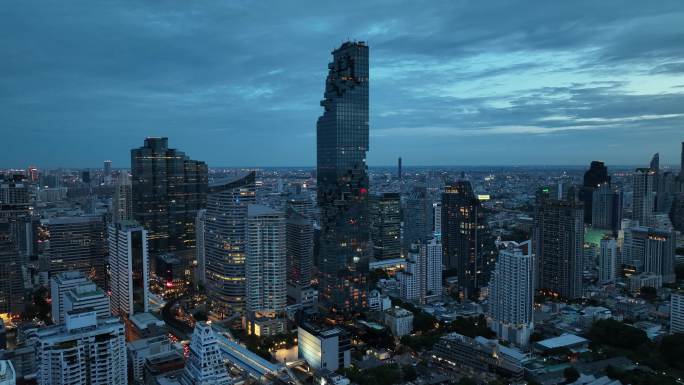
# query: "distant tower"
[643,195]
[417,217]
[205,363]
[300,248]
[385,214]
[655,163]
[107,168]
[608,261]
[129,265]
[511,294]
[606,208]
[122,200]
[399,174]
[225,241]
[265,271]
[558,245]
[168,189]
[342,178]
[200,246]
[596,176]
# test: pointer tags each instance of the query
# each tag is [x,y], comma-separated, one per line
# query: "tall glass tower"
[342,143]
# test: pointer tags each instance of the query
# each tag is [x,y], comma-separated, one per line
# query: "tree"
[570,374]
[672,350]
[648,292]
[617,334]
[408,373]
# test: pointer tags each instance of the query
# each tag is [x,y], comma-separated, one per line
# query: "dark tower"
[342,143]
[399,169]
[168,190]
[593,178]
[464,237]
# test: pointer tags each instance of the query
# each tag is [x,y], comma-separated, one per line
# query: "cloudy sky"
[238,83]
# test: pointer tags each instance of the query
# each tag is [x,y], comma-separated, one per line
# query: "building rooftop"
[258,210]
[564,340]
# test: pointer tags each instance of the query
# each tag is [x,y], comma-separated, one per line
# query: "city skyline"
[558,84]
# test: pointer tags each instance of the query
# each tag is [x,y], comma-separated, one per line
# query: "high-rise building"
[606,210]
[122,200]
[643,195]
[225,241]
[417,217]
[651,250]
[60,284]
[8,376]
[324,348]
[11,274]
[342,180]
[511,294]
[677,313]
[107,169]
[665,191]
[130,268]
[385,214]
[437,215]
[596,176]
[399,174]
[85,176]
[266,271]
[87,297]
[421,279]
[300,248]
[433,252]
[655,163]
[608,258]
[677,212]
[465,242]
[168,190]
[77,243]
[411,279]
[558,245]
[84,351]
[200,247]
[205,364]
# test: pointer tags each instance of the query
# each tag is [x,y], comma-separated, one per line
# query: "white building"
[323,348]
[265,270]
[8,376]
[651,250]
[84,351]
[141,349]
[129,264]
[60,284]
[422,275]
[643,195]
[608,261]
[378,302]
[409,279]
[87,296]
[511,294]
[433,268]
[204,365]
[637,281]
[400,321]
[677,313]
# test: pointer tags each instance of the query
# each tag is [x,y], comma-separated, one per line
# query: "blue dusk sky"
[238,83]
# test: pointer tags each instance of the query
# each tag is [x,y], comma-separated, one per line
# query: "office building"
[465,241]
[410,279]
[77,244]
[665,191]
[511,294]
[122,199]
[643,195]
[650,250]
[204,365]
[300,249]
[130,268]
[107,168]
[84,351]
[421,279]
[677,312]
[12,283]
[168,190]
[60,284]
[606,208]
[7,374]
[140,350]
[200,247]
[433,268]
[437,222]
[596,176]
[86,296]
[558,241]
[324,348]
[265,271]
[677,212]
[225,241]
[399,174]
[342,181]
[608,257]
[399,321]
[385,213]
[417,218]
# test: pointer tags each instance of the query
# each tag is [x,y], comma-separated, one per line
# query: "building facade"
[130,268]
[204,365]
[385,213]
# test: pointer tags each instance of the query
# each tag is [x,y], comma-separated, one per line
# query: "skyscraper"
[11,281]
[122,199]
[651,250]
[464,238]
[60,284]
[129,265]
[608,261]
[225,238]
[200,247]
[107,169]
[606,210]
[300,248]
[421,280]
[385,214]
[596,176]
[418,217]
[266,271]
[655,163]
[84,351]
[399,174]
[558,244]
[643,195]
[77,243]
[511,294]
[205,364]
[168,190]
[342,179]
